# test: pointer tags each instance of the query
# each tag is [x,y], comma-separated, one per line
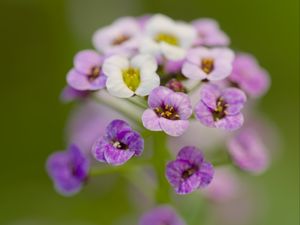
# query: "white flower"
[120,37]
[167,38]
[127,77]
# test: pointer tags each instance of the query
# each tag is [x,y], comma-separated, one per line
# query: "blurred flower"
[130,77]
[120,37]
[248,151]
[220,108]
[70,94]
[169,111]
[176,86]
[162,215]
[211,64]
[119,144]
[167,38]
[189,171]
[87,73]
[68,170]
[209,33]
[172,67]
[249,76]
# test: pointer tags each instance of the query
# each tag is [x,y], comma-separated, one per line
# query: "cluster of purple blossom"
[174,72]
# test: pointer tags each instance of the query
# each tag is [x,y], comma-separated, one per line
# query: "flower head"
[162,215]
[209,33]
[120,37]
[169,111]
[87,73]
[249,76]
[119,144]
[248,151]
[68,170]
[176,85]
[220,108]
[167,38]
[128,77]
[189,171]
[210,64]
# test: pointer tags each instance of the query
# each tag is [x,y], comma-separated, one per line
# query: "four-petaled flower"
[68,170]
[162,215]
[189,171]
[119,144]
[127,77]
[208,64]
[167,38]
[169,111]
[220,108]
[87,73]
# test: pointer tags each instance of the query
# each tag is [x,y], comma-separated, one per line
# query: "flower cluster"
[162,75]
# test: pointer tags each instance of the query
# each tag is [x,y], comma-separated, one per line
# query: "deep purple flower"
[87,73]
[220,108]
[68,170]
[249,76]
[248,151]
[209,33]
[169,111]
[189,171]
[162,215]
[119,144]
[70,94]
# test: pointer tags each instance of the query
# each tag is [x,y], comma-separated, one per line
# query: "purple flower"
[168,112]
[68,170]
[209,33]
[87,73]
[70,94]
[248,151]
[176,85]
[208,64]
[249,76]
[220,108]
[162,215]
[119,144]
[189,171]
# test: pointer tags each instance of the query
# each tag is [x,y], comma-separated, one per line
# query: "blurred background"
[38,41]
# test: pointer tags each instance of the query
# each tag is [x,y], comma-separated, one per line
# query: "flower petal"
[204,114]
[206,173]
[173,127]
[157,96]
[209,95]
[115,127]
[230,123]
[85,60]
[235,99]
[151,120]
[191,154]
[116,156]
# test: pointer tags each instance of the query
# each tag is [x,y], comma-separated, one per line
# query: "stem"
[195,88]
[160,157]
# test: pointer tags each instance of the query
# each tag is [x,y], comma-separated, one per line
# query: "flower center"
[119,145]
[132,78]
[168,38]
[189,172]
[168,112]
[95,73]
[120,39]
[220,111]
[207,65]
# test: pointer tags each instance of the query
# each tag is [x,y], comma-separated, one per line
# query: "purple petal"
[173,127]
[191,154]
[235,100]
[116,156]
[85,60]
[230,123]
[193,71]
[206,173]
[134,141]
[115,127]
[209,94]
[157,96]
[181,102]
[151,120]
[204,114]
[99,148]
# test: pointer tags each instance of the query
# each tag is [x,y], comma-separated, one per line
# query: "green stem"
[195,88]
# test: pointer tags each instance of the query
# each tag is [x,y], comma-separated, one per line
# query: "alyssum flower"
[68,170]
[169,111]
[87,73]
[189,171]
[220,108]
[119,144]
[127,77]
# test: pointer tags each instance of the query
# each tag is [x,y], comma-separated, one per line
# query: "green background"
[38,40]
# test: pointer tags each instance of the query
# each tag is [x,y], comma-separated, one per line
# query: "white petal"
[145,62]
[148,46]
[186,33]
[149,81]
[172,52]
[158,23]
[113,64]
[117,87]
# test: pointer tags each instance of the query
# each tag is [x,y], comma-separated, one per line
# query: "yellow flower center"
[168,38]
[95,73]
[207,65]
[220,111]
[120,39]
[168,112]
[132,78]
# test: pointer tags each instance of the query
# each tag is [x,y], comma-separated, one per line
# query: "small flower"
[208,64]
[209,33]
[131,77]
[162,215]
[220,108]
[119,144]
[248,151]
[172,67]
[249,76]
[168,112]
[87,73]
[167,38]
[176,86]
[68,170]
[120,37]
[70,94]
[189,171]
